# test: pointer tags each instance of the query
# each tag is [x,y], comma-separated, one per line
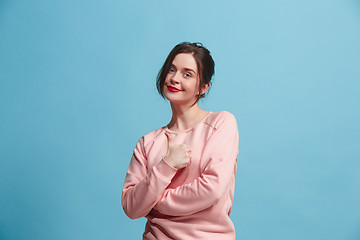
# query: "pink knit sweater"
[192,202]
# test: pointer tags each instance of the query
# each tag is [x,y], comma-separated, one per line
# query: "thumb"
[168,137]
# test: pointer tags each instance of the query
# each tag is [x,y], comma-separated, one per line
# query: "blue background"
[77,91]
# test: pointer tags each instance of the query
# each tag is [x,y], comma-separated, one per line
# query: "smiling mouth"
[172,89]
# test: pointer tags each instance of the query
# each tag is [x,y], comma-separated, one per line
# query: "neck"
[184,117]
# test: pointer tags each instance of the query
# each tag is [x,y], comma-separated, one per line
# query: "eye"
[187,75]
[172,70]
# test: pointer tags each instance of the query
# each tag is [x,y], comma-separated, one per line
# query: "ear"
[205,88]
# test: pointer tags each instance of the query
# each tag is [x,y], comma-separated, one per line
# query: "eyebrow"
[186,69]
[189,70]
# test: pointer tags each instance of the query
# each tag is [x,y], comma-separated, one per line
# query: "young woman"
[182,176]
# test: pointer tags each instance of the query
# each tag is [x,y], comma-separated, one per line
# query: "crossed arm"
[145,190]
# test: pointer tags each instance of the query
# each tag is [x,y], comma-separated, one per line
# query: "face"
[182,81]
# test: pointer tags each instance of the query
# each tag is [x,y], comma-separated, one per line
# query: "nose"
[175,78]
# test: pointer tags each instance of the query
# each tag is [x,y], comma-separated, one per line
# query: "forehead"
[185,60]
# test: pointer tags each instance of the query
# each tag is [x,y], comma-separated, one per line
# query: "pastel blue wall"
[77,90]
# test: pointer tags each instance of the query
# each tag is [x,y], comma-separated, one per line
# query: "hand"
[178,155]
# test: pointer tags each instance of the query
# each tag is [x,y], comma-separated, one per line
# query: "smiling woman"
[198,64]
[183,79]
[182,176]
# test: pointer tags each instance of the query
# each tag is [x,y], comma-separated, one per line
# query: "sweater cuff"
[165,171]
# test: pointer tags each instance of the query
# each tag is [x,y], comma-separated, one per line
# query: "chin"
[178,101]
[173,99]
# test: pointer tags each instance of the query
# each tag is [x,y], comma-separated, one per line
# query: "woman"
[182,176]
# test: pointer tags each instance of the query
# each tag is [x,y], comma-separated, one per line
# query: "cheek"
[167,78]
[192,88]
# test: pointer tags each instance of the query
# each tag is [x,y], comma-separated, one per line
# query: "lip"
[173,89]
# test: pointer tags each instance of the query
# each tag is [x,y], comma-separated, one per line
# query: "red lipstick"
[172,89]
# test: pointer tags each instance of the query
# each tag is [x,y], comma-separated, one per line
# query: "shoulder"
[217,119]
[148,138]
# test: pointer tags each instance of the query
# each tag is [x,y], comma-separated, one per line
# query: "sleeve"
[221,154]
[142,187]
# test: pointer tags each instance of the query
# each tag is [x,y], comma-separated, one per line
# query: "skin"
[184,76]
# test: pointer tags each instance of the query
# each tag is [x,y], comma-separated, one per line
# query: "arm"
[221,153]
[143,187]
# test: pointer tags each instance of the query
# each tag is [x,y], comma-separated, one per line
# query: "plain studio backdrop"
[77,90]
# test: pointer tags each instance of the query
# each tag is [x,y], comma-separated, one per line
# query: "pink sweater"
[193,202]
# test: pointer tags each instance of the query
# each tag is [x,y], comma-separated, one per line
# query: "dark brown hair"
[204,61]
